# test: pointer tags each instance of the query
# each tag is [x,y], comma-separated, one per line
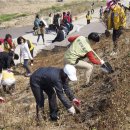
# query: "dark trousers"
[39,37]
[25,65]
[115,36]
[39,97]
[32,54]
[92,11]
[88,21]
[1,67]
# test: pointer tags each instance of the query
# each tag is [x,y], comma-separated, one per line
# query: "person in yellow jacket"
[116,21]
[88,17]
[7,80]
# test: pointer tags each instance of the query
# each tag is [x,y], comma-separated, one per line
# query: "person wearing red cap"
[116,20]
[79,50]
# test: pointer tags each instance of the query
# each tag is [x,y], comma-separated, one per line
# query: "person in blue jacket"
[54,82]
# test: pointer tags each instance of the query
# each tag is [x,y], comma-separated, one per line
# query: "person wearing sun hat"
[116,20]
[54,82]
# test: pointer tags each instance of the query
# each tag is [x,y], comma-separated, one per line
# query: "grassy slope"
[104,104]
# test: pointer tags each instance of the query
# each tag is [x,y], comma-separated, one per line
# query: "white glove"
[2,100]
[102,62]
[72,110]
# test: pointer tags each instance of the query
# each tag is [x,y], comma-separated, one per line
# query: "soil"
[105,102]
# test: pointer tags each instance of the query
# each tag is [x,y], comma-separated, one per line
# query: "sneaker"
[113,53]
[28,75]
[54,116]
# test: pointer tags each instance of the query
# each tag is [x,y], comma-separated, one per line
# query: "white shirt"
[25,52]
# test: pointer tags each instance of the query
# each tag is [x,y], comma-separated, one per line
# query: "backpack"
[29,44]
[42,24]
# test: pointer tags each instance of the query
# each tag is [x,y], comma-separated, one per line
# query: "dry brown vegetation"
[27,9]
[105,104]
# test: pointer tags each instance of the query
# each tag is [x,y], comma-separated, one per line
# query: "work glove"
[2,100]
[76,102]
[102,62]
[72,110]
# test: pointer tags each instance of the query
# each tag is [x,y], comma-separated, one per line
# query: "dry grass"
[30,8]
[105,104]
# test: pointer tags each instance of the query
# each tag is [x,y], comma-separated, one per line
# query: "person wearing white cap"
[53,81]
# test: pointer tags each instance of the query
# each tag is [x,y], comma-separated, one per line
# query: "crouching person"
[53,81]
[8,81]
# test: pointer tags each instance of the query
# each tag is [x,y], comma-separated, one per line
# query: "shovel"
[106,67]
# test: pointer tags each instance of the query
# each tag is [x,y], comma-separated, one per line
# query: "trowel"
[106,67]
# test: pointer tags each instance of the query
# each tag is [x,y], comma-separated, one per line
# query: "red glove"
[2,100]
[76,102]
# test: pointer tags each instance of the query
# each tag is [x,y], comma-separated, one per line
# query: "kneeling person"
[53,81]
[8,81]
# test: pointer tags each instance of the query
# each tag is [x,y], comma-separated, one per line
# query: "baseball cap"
[70,70]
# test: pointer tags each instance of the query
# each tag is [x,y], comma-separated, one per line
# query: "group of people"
[60,23]
[54,81]
[43,79]
[7,57]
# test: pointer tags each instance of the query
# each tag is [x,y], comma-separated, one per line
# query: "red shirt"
[91,57]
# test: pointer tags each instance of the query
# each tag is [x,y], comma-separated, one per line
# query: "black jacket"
[60,36]
[51,77]
[6,60]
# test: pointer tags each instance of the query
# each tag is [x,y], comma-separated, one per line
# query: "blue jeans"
[25,65]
